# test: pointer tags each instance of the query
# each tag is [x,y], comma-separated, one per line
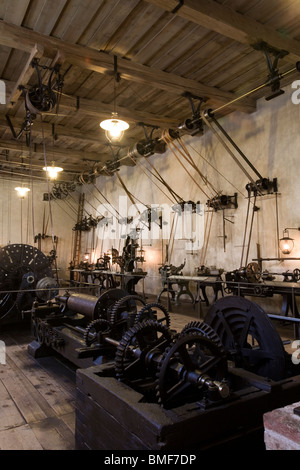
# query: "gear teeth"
[147,307]
[114,310]
[129,336]
[203,328]
[91,325]
[196,330]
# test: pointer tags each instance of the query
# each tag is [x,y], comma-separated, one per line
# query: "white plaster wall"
[270,139]
[22,220]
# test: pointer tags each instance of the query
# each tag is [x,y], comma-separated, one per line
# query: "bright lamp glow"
[286,244]
[52,171]
[22,191]
[114,128]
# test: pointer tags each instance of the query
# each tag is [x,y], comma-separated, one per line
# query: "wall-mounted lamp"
[52,171]
[114,127]
[22,191]
[286,244]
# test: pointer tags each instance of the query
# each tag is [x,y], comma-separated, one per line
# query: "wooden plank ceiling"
[164,48]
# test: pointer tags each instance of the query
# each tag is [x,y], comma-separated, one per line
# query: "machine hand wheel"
[21,267]
[249,336]
[296,274]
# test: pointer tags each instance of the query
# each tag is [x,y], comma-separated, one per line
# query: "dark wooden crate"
[112,416]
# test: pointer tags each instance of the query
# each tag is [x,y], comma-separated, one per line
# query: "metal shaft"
[248,93]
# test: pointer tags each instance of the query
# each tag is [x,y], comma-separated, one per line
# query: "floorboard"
[37,398]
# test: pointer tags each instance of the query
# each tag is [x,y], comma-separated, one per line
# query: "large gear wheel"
[251,340]
[140,342]
[193,367]
[154,311]
[16,262]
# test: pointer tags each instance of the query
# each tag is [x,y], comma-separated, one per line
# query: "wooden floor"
[37,399]
[38,396]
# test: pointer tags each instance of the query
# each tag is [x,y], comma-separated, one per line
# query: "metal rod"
[250,231]
[284,318]
[275,259]
[227,148]
[112,341]
[277,223]
[245,232]
[235,146]
[268,83]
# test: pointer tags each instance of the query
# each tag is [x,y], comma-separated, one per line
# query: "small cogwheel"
[154,311]
[192,356]
[125,308]
[94,329]
[131,354]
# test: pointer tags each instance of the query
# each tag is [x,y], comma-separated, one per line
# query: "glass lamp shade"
[22,191]
[286,244]
[52,171]
[114,128]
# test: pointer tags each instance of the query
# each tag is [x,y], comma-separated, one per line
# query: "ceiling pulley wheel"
[40,99]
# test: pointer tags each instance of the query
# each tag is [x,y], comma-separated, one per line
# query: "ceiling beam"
[36,53]
[102,62]
[71,156]
[101,110]
[58,131]
[226,21]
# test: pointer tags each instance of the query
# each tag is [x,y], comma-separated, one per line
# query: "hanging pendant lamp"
[114,127]
[52,171]
[22,191]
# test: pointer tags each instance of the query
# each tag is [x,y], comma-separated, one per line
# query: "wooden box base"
[112,416]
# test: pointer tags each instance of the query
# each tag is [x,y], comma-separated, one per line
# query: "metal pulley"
[42,97]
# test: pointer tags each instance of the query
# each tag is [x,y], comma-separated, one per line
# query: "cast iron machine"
[251,280]
[168,270]
[69,324]
[214,376]
[209,383]
[252,273]
[205,362]
[127,262]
